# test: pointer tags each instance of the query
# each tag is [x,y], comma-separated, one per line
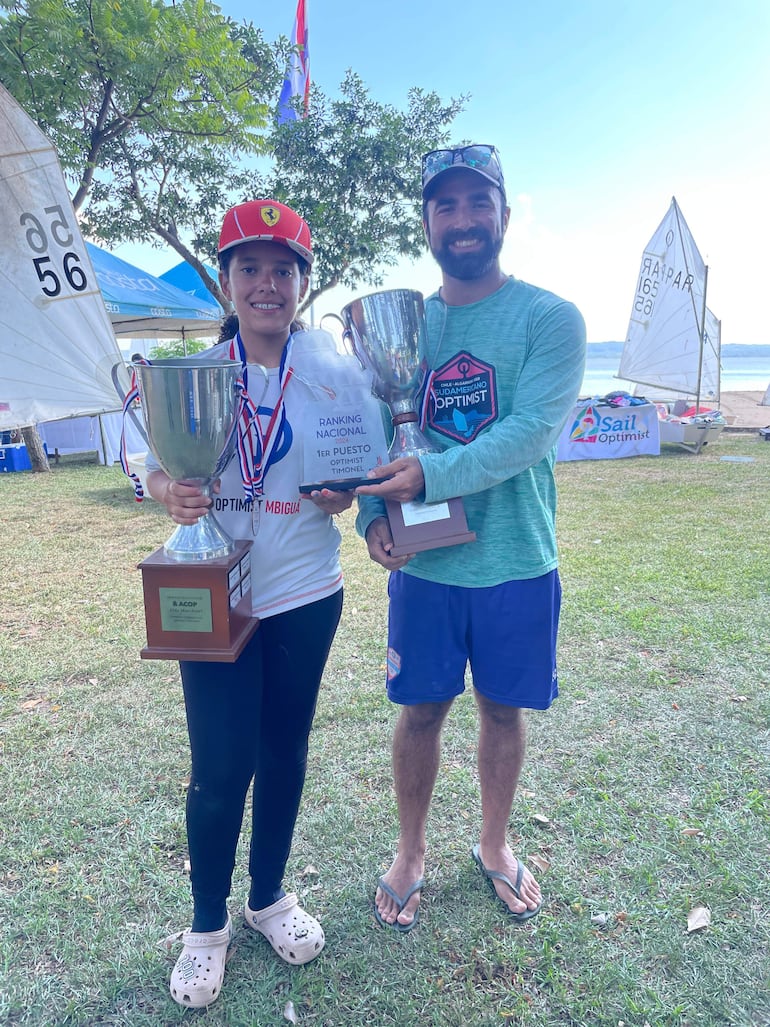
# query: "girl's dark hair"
[229,325]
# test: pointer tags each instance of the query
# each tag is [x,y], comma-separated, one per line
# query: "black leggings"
[251,719]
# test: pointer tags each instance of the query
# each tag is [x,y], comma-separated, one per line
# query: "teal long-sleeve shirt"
[506,373]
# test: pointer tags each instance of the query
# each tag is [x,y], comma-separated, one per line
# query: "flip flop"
[400,902]
[495,875]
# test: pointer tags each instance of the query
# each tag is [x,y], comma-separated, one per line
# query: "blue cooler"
[15,458]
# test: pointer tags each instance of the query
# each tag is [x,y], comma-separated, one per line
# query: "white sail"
[672,341]
[712,356]
[57,347]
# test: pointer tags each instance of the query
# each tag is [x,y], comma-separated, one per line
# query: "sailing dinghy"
[673,340]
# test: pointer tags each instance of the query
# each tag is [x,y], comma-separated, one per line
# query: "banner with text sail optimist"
[57,347]
[664,345]
[598,432]
[297,81]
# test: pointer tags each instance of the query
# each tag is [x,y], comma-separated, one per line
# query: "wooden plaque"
[419,526]
[199,610]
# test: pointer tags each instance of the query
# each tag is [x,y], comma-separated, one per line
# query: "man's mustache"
[474,235]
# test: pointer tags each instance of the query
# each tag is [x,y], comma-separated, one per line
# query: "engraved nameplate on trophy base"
[198,611]
[418,526]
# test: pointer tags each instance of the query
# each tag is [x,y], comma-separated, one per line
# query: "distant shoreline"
[731,350]
[745,368]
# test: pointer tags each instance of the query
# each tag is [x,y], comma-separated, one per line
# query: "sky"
[602,110]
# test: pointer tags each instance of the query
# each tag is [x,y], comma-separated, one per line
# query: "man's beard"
[468,266]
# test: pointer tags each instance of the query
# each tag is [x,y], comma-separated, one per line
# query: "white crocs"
[296,936]
[196,979]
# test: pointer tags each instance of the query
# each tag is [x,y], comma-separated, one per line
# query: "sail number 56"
[38,241]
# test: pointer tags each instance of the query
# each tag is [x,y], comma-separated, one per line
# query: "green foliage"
[169,348]
[137,72]
[352,169]
[159,110]
[152,107]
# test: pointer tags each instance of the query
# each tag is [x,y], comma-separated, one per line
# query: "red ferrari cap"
[266,221]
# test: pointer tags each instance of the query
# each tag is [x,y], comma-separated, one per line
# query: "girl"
[250,720]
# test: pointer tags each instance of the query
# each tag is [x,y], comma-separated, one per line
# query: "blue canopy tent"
[140,306]
[143,306]
[184,276]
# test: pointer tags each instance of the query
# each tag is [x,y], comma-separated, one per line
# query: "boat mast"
[701,325]
[702,339]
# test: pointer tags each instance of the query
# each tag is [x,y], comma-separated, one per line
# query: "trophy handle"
[346,339]
[119,374]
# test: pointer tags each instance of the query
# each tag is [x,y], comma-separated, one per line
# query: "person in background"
[505,364]
[250,720]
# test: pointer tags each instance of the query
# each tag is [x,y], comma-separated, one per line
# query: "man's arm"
[545,395]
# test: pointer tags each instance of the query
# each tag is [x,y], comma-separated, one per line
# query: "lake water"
[738,375]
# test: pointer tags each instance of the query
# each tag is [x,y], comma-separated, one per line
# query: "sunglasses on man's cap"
[478,157]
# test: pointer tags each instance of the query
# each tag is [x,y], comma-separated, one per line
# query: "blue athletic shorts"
[506,632]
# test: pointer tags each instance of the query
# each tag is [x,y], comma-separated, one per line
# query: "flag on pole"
[297,81]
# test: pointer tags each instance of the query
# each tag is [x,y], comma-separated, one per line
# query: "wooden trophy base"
[419,526]
[198,611]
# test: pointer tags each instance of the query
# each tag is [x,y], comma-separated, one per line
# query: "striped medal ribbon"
[256,446]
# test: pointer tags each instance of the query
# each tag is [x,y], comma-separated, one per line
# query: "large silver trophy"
[190,412]
[385,329]
[197,586]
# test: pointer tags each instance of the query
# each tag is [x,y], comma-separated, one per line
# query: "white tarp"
[100,434]
[57,348]
[667,345]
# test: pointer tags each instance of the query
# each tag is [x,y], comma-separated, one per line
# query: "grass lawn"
[645,793]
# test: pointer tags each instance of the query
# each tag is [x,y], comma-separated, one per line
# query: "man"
[506,362]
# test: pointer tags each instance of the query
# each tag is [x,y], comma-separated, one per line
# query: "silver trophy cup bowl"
[385,330]
[190,414]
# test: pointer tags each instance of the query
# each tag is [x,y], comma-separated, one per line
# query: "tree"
[152,107]
[352,169]
[172,348]
[159,113]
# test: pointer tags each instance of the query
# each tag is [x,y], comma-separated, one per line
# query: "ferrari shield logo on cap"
[270,215]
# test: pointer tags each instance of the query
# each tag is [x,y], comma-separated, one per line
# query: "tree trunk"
[31,439]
